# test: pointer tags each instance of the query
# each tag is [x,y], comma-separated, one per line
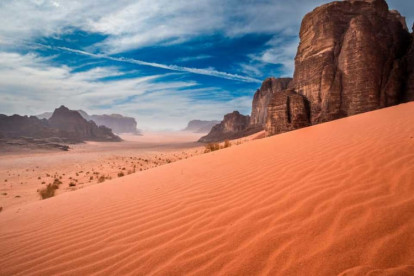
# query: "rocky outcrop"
[117,122]
[200,126]
[349,58]
[287,111]
[262,98]
[233,126]
[75,126]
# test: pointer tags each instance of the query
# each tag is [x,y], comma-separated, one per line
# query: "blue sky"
[162,62]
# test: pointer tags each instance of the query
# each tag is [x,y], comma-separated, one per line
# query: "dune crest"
[332,199]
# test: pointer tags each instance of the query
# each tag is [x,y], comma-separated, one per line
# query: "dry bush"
[49,191]
[212,147]
[227,143]
[101,179]
[120,174]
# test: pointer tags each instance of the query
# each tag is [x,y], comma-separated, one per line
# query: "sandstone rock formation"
[349,58]
[234,125]
[287,111]
[352,58]
[262,98]
[200,126]
[75,126]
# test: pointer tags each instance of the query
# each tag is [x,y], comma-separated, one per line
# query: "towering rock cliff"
[234,125]
[351,59]
[262,98]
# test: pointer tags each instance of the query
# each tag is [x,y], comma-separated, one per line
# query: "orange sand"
[333,199]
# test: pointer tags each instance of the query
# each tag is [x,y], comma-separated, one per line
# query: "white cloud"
[30,85]
[281,51]
[132,24]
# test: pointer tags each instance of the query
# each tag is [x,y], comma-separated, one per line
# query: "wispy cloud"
[192,58]
[199,71]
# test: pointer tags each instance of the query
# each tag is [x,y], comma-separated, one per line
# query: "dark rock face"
[116,122]
[287,111]
[262,98]
[349,58]
[234,125]
[65,126]
[75,126]
[200,126]
[409,83]
[16,126]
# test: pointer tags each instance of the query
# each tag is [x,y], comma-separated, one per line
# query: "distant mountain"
[116,122]
[200,126]
[74,125]
[67,125]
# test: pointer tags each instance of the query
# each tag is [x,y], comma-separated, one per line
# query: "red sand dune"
[333,199]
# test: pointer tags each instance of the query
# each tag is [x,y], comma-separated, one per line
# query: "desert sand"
[24,172]
[332,199]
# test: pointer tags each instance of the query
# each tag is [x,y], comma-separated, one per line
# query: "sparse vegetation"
[227,143]
[49,191]
[120,174]
[101,179]
[212,147]
[71,184]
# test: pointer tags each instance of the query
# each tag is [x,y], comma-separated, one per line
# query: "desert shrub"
[120,174]
[48,191]
[227,143]
[212,147]
[101,179]
[71,184]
